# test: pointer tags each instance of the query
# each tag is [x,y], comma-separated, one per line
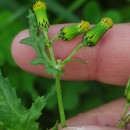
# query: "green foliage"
[27,85]
[14,116]
[37,41]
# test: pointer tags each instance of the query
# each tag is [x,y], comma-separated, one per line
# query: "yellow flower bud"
[92,37]
[69,32]
[40,10]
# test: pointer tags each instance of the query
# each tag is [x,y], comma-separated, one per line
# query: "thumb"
[90,128]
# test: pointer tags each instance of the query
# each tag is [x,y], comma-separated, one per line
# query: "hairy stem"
[72,54]
[49,45]
[52,55]
[57,78]
[60,101]
[54,38]
[125,109]
[124,118]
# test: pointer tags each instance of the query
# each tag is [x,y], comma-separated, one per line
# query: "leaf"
[34,113]
[29,41]
[14,115]
[38,60]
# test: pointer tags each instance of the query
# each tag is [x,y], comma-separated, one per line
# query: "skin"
[108,62]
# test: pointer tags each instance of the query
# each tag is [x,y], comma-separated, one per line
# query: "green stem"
[72,54]
[44,55]
[60,101]
[57,78]
[54,38]
[49,45]
[125,109]
[124,118]
[52,55]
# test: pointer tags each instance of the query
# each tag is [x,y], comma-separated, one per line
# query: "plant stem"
[72,54]
[54,38]
[52,55]
[124,118]
[44,55]
[57,78]
[48,43]
[125,109]
[60,101]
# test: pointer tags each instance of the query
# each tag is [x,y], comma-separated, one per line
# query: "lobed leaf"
[14,116]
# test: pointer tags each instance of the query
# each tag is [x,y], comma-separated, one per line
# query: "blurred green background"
[78,96]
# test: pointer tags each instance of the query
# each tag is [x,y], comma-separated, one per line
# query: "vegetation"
[28,86]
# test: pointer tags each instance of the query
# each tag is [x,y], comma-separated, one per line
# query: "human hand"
[109,62]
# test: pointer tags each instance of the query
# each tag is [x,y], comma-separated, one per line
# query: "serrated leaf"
[13,115]
[40,60]
[34,113]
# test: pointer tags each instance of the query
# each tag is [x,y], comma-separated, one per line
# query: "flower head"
[92,37]
[69,32]
[40,10]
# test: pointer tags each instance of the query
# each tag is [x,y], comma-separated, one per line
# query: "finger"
[107,115]
[90,128]
[109,61]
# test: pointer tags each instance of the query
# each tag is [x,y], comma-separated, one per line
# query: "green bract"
[92,37]
[127,91]
[40,10]
[69,32]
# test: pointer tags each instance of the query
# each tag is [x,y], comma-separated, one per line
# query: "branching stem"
[57,79]
[72,54]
